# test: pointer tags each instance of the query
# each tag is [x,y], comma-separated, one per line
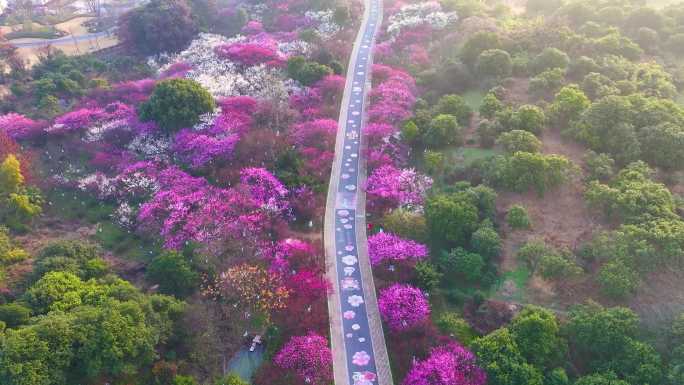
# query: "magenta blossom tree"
[447,365]
[249,54]
[199,149]
[20,127]
[387,247]
[315,141]
[266,190]
[403,307]
[390,187]
[309,356]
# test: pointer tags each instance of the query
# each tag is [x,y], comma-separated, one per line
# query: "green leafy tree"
[174,274]
[158,26]
[491,105]
[476,44]
[184,380]
[434,162]
[488,131]
[529,118]
[231,379]
[306,72]
[176,104]
[486,241]
[557,265]
[608,378]
[537,334]
[519,140]
[517,218]
[599,166]
[406,224]
[76,257]
[18,204]
[410,133]
[663,145]
[14,314]
[494,64]
[451,219]
[557,376]
[455,326]
[427,276]
[632,196]
[498,354]
[605,339]
[455,106]
[550,58]
[547,83]
[523,171]
[567,107]
[463,263]
[617,279]
[532,252]
[443,130]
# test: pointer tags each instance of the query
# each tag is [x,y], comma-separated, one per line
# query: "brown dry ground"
[562,219]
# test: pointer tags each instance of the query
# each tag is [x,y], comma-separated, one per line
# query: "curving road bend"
[357,339]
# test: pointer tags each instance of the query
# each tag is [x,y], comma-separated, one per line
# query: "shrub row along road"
[358,343]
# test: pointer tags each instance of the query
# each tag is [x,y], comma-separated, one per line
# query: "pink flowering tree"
[290,254]
[250,54]
[389,187]
[403,307]
[315,141]
[20,127]
[309,357]
[386,247]
[265,189]
[201,149]
[187,209]
[447,365]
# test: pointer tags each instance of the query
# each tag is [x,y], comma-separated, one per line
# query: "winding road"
[357,339]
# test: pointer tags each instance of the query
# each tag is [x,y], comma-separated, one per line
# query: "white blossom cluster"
[150,146]
[222,78]
[418,14]
[326,27]
[96,133]
[125,216]
[254,11]
[294,48]
[102,185]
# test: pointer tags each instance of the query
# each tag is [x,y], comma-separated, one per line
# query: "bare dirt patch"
[517,91]
[74,26]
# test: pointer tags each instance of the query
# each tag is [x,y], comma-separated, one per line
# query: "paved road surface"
[359,351]
[60,41]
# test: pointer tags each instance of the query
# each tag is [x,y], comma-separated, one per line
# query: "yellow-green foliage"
[18,204]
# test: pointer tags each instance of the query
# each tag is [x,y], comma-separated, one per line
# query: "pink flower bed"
[387,247]
[250,54]
[309,356]
[403,307]
[447,365]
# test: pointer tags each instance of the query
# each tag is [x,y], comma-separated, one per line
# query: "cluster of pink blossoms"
[265,189]
[316,140]
[391,187]
[20,127]
[447,365]
[387,247]
[250,54]
[309,356]
[216,142]
[188,209]
[403,307]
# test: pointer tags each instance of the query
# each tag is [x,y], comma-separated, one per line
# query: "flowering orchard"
[231,188]
[403,307]
[447,365]
[393,185]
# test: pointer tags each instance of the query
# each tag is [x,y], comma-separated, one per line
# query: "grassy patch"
[519,278]
[124,243]
[72,205]
[473,98]
[465,156]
